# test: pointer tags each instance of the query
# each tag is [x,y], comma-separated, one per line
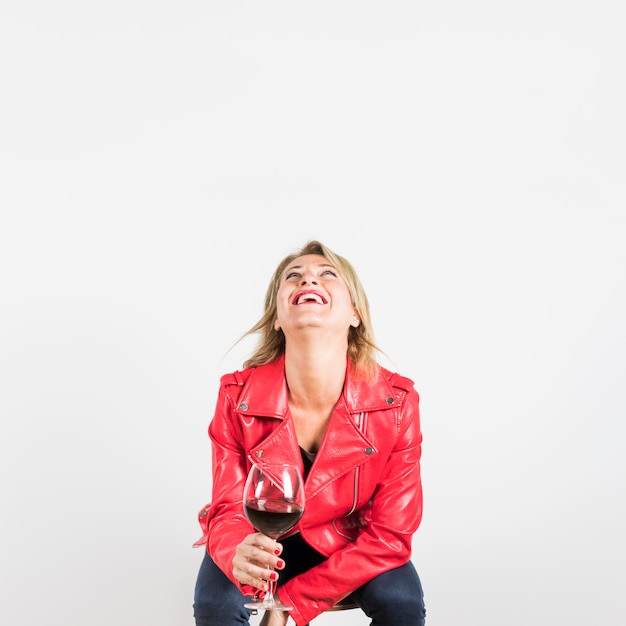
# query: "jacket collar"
[265,392]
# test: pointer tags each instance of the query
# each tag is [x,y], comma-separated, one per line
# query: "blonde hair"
[361,347]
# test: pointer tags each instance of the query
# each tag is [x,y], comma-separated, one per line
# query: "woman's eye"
[292,275]
[331,272]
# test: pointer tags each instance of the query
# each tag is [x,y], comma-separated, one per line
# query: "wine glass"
[273,501]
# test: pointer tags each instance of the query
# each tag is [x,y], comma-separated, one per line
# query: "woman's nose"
[308,278]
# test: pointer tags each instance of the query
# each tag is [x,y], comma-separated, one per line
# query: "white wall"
[158,159]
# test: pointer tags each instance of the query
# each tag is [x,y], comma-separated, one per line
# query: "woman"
[313,394]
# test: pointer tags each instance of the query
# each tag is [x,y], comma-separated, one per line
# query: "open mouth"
[309,297]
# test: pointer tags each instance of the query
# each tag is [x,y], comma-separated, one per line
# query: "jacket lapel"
[343,449]
[345,445]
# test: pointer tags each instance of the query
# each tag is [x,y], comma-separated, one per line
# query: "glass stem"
[269,596]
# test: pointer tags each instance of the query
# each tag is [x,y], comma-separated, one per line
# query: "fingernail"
[280,564]
[277,551]
[274,576]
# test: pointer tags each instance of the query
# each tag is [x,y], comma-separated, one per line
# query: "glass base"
[268,606]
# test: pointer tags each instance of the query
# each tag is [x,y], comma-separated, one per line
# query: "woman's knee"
[220,612]
[394,597]
[217,601]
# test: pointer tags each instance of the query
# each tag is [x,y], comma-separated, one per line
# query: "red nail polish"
[277,551]
[280,564]
[274,576]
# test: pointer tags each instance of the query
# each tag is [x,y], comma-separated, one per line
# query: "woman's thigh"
[394,598]
[217,602]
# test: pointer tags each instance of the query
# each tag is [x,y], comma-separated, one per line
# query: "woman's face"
[312,294]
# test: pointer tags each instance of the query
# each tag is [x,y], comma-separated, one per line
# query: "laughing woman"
[313,394]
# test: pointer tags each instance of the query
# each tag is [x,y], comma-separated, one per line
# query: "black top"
[307,459]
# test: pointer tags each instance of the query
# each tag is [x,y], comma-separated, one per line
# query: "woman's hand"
[255,560]
[274,618]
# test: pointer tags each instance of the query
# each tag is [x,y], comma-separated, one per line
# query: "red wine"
[272,517]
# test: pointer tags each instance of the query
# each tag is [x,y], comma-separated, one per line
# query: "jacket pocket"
[350,526]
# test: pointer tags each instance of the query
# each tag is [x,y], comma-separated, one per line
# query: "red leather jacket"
[363,493]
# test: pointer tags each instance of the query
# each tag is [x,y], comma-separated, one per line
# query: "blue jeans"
[394,598]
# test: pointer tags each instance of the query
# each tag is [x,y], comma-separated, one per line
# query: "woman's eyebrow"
[298,267]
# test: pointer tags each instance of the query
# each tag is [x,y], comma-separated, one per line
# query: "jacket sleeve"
[226,524]
[387,528]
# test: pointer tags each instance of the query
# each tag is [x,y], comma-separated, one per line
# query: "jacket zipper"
[356,487]
[356,471]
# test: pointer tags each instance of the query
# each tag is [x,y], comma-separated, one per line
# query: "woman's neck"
[315,377]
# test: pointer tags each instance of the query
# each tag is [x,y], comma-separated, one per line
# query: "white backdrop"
[158,159]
